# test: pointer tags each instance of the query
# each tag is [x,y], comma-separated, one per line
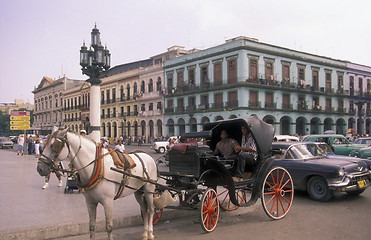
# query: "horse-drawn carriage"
[200,180]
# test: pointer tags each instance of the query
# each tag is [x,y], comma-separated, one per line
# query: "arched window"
[150,85]
[128,91]
[135,87]
[159,85]
[142,87]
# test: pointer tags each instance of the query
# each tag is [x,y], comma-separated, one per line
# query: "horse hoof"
[144,238]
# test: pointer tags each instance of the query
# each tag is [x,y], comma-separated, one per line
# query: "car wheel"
[356,192]
[162,150]
[318,190]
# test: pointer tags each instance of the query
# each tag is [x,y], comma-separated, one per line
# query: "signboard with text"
[20,120]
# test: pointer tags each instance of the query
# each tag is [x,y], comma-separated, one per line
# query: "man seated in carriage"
[226,146]
[247,154]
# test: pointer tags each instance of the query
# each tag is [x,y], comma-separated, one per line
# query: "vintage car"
[285,138]
[163,146]
[363,140]
[6,143]
[319,172]
[361,153]
[338,143]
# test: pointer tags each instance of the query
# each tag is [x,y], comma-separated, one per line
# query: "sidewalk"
[29,212]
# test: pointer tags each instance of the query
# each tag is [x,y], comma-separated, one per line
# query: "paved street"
[24,205]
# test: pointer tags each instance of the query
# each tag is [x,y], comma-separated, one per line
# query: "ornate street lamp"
[95,63]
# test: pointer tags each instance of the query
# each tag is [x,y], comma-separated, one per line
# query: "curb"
[75,229]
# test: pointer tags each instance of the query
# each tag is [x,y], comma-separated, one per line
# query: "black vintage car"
[315,169]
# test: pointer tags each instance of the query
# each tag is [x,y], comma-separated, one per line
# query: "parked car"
[285,138]
[162,146]
[314,171]
[6,143]
[338,143]
[363,140]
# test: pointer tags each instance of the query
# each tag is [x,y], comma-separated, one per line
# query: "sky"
[43,37]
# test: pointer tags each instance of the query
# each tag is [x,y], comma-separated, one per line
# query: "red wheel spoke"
[273,205]
[270,200]
[287,200]
[278,175]
[269,193]
[274,183]
[288,180]
[283,208]
[283,175]
[269,185]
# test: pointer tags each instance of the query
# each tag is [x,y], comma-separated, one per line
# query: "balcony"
[232,104]
[203,106]
[169,110]
[179,109]
[191,108]
[302,106]
[287,106]
[254,104]
[342,110]
[270,105]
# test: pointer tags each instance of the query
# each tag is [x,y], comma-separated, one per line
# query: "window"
[286,75]
[315,82]
[122,112]
[135,110]
[232,100]
[218,100]
[191,78]
[143,107]
[128,110]
[135,90]
[286,101]
[351,85]
[114,112]
[253,72]
[204,77]
[180,78]
[150,108]
[269,100]
[253,102]
[368,86]
[113,94]
[302,104]
[360,86]
[204,102]
[301,79]
[128,92]
[169,81]
[159,106]
[180,105]
[315,103]
[142,87]
[232,71]
[269,72]
[191,103]
[170,104]
[341,105]
[158,85]
[150,85]
[108,96]
[328,81]
[340,82]
[218,76]
[108,112]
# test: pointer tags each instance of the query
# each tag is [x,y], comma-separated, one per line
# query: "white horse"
[102,186]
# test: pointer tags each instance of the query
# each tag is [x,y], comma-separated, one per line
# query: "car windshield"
[304,151]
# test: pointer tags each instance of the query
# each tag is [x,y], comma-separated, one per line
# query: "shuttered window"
[218,78]
[232,71]
[169,81]
[253,68]
[218,100]
[315,83]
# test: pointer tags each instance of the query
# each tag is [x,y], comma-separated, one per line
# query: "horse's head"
[55,150]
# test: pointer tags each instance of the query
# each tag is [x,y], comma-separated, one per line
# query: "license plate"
[361,183]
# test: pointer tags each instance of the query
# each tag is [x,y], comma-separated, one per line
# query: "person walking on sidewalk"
[20,144]
[29,144]
[59,176]
[37,145]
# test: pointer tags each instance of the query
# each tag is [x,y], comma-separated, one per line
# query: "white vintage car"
[162,146]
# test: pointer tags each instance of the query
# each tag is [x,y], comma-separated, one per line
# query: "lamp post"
[95,62]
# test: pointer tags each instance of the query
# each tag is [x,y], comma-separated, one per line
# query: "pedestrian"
[29,144]
[59,176]
[83,132]
[37,145]
[20,144]
[120,146]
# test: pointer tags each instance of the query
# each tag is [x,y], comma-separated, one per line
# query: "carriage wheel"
[224,200]
[209,210]
[277,193]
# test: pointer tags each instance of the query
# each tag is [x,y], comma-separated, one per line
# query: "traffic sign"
[20,113]
[24,127]
[19,122]
[19,118]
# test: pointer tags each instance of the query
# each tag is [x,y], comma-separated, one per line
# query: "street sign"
[24,127]
[19,118]
[19,122]
[20,113]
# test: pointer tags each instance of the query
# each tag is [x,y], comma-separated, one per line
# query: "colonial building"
[48,98]
[297,92]
[359,79]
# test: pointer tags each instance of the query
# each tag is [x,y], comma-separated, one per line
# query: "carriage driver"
[247,154]
[226,146]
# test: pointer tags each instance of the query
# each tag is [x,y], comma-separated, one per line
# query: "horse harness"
[98,172]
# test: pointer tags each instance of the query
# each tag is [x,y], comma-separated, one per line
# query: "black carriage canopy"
[262,132]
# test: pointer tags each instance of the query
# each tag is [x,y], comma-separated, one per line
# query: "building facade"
[297,92]
[48,99]
[359,80]
[18,104]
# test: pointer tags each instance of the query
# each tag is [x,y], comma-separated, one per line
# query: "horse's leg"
[92,209]
[143,208]
[151,211]
[108,211]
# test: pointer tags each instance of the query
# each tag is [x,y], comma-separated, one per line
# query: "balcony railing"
[254,104]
